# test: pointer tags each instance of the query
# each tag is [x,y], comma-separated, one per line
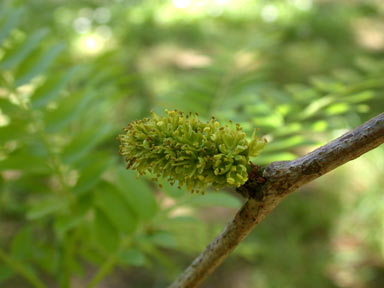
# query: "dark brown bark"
[282,178]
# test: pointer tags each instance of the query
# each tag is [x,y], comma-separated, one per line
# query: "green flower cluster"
[186,150]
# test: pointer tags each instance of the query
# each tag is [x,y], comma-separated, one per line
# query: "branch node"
[253,187]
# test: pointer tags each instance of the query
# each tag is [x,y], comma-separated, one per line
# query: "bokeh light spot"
[82,25]
[181,3]
[269,13]
[102,15]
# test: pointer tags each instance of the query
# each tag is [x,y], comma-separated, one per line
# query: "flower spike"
[186,150]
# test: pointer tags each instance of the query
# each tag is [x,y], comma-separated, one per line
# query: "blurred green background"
[73,73]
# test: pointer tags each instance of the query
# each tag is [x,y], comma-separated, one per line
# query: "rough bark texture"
[282,178]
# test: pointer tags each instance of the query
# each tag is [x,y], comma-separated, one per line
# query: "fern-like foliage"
[53,121]
[63,186]
[290,116]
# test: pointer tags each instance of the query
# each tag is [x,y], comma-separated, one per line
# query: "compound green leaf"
[266,158]
[22,160]
[359,97]
[337,108]
[104,233]
[109,200]
[69,109]
[17,55]
[163,239]
[90,175]
[132,257]
[315,107]
[5,273]
[47,206]
[137,193]
[282,144]
[51,88]
[37,66]
[11,23]
[21,243]
[82,143]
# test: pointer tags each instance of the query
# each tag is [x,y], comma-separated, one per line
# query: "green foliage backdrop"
[73,73]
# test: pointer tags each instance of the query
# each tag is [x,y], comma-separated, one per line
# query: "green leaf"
[291,128]
[363,108]
[51,88]
[15,130]
[137,193]
[337,108]
[327,85]
[48,259]
[359,97]
[10,24]
[259,109]
[47,206]
[315,106]
[283,144]
[84,202]
[180,219]
[222,199]
[17,55]
[132,257]
[5,273]
[64,223]
[173,191]
[22,160]
[69,110]
[21,243]
[90,175]
[164,239]
[302,92]
[272,120]
[109,200]
[82,143]
[268,158]
[319,126]
[7,107]
[105,235]
[33,68]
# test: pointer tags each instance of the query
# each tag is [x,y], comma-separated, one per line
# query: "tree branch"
[283,178]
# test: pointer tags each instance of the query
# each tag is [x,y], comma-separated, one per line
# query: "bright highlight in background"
[200,3]
[90,44]
[304,5]
[181,3]
[222,2]
[269,13]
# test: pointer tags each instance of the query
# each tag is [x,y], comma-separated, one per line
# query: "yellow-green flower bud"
[184,149]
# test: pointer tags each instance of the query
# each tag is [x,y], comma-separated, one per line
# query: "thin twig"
[107,266]
[282,178]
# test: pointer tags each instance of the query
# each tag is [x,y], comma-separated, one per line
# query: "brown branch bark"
[283,178]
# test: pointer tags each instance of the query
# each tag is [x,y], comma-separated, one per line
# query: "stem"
[55,160]
[109,263]
[104,270]
[283,178]
[20,269]
[67,246]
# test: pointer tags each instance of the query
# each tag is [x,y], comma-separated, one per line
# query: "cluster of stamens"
[187,151]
